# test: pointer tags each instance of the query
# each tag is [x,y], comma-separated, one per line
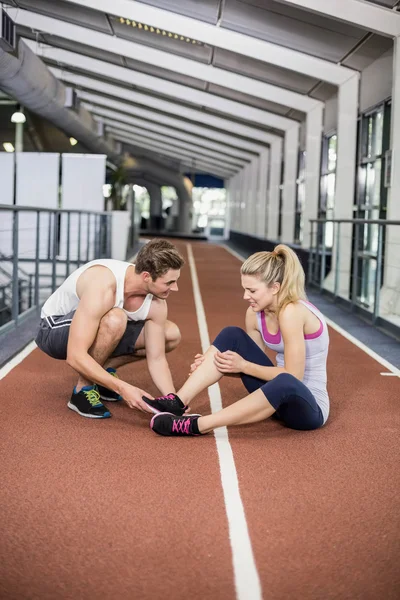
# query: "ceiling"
[268,20]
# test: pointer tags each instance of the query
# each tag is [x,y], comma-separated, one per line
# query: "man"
[108,313]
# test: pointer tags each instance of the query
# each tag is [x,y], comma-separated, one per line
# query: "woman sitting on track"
[280,318]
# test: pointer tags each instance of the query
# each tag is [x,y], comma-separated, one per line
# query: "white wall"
[331,114]
[376,81]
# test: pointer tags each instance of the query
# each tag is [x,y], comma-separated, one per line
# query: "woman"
[280,318]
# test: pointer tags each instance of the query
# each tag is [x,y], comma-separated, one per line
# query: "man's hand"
[133,397]
[229,362]
[198,359]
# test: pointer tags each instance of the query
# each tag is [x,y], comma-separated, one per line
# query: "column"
[314,128]
[345,180]
[289,189]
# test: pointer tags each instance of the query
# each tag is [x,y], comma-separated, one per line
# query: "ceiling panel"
[387,3]
[164,74]
[198,52]
[292,28]
[369,51]
[68,12]
[258,69]
[204,10]
[247,99]
[66,44]
[323,91]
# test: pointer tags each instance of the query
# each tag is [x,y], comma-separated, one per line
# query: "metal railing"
[354,261]
[50,244]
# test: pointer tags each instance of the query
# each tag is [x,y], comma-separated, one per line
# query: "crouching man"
[108,313]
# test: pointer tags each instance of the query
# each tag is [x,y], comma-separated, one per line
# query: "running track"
[106,510]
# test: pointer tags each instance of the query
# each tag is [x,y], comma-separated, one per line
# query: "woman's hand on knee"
[229,362]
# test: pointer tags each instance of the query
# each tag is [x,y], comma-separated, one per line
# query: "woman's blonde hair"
[281,266]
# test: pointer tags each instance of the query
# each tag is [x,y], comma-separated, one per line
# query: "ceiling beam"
[199,120]
[184,159]
[161,86]
[164,60]
[164,150]
[356,12]
[107,115]
[178,151]
[176,144]
[219,37]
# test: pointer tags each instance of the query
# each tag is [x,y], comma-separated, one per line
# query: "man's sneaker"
[87,403]
[168,424]
[105,393]
[170,403]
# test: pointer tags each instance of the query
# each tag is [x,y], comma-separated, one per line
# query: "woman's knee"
[228,338]
[281,387]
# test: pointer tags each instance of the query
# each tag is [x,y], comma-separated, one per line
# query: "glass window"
[371,197]
[328,186]
[300,198]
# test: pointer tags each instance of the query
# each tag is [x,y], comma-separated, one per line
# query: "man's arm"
[154,335]
[97,294]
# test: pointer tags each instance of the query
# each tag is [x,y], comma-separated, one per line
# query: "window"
[300,198]
[328,185]
[280,202]
[371,198]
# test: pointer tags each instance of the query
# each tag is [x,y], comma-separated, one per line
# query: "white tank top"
[317,344]
[65,299]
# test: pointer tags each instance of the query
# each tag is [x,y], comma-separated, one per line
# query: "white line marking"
[17,359]
[394,370]
[385,363]
[247,581]
[391,374]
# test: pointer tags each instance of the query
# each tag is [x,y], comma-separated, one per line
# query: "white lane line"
[247,581]
[17,359]
[385,363]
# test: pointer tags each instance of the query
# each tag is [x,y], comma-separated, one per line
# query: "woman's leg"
[251,409]
[296,404]
[230,338]
[297,407]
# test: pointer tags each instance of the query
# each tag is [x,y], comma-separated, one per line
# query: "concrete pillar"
[184,221]
[156,220]
[274,184]
[253,199]
[345,180]
[314,128]
[289,189]
[260,215]
[390,294]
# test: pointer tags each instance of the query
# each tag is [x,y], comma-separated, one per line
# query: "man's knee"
[228,338]
[172,335]
[114,321]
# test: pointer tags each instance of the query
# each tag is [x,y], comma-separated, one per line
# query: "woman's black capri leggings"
[295,405]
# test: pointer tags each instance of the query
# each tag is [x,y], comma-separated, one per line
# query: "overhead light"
[151,29]
[18,117]
[8,147]
[73,141]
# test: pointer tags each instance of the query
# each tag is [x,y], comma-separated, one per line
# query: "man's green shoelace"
[93,396]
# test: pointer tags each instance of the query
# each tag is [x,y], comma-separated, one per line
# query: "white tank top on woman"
[65,299]
[315,377]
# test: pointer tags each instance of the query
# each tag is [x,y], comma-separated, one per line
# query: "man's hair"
[157,257]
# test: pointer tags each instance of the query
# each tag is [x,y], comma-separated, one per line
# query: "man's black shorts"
[53,335]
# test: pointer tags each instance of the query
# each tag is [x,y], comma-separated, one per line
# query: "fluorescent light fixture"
[8,147]
[73,141]
[18,117]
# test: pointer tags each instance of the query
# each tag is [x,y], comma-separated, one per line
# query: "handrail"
[18,208]
[357,221]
